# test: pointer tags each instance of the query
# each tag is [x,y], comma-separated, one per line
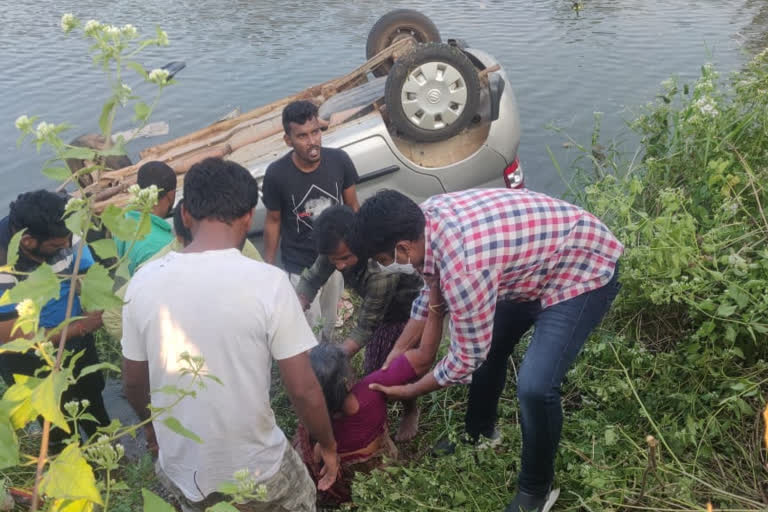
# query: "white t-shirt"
[238,314]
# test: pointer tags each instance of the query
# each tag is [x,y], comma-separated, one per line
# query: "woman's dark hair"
[332,370]
[41,212]
[298,112]
[333,226]
[220,190]
[386,218]
[178,224]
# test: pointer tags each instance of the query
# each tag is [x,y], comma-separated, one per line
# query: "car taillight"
[513,175]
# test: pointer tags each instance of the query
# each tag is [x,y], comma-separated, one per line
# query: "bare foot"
[409,424]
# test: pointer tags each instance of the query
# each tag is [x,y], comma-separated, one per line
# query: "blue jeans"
[559,335]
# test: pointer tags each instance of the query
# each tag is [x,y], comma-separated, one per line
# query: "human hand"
[91,322]
[304,302]
[424,385]
[403,392]
[330,470]
[393,354]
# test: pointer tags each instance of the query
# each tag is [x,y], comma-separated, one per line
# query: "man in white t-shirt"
[209,300]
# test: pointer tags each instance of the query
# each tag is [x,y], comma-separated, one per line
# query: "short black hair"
[386,218]
[157,173]
[219,189]
[42,214]
[332,371]
[178,224]
[298,112]
[333,226]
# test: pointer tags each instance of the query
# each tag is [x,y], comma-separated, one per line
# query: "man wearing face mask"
[501,261]
[386,297]
[297,188]
[46,240]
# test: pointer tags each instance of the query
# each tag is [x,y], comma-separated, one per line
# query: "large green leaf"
[153,502]
[72,506]
[40,286]
[9,444]
[70,478]
[12,255]
[98,367]
[105,116]
[18,345]
[76,221]
[96,290]
[175,425]
[76,153]
[46,398]
[137,68]
[121,226]
[104,248]
[142,111]
[19,395]
[58,173]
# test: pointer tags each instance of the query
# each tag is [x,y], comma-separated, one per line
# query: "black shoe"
[524,502]
[447,447]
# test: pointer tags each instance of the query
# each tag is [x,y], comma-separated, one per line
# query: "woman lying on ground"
[358,413]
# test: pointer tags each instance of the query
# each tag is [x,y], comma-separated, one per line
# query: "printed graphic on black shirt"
[309,207]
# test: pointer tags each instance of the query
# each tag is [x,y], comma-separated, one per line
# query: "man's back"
[238,315]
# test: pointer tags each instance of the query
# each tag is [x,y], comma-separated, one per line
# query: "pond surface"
[564,65]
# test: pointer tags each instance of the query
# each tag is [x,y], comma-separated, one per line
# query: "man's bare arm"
[409,338]
[136,386]
[271,235]
[349,195]
[90,323]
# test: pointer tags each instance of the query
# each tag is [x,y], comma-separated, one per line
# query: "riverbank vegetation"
[664,410]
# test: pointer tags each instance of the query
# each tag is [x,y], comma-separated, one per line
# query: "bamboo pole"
[224,137]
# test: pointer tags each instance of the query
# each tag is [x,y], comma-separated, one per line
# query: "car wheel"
[397,25]
[432,93]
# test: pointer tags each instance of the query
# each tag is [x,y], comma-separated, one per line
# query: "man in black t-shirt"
[297,188]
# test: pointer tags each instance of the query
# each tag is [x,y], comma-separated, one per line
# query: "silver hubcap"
[434,95]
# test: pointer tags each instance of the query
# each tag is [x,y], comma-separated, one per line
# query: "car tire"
[395,25]
[432,93]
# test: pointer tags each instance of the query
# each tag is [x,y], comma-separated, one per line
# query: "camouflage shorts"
[291,489]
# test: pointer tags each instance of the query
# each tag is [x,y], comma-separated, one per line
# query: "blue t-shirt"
[63,262]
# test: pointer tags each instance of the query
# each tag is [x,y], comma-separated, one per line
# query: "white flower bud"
[71,407]
[159,76]
[129,31]
[23,124]
[44,129]
[112,30]
[27,308]
[68,22]
[91,27]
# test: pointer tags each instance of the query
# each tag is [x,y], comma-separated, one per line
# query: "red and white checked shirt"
[501,244]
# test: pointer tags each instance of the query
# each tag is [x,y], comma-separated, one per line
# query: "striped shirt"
[512,245]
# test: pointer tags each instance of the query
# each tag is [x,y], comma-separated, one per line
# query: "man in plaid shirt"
[500,262]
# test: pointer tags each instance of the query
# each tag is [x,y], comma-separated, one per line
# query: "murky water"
[564,64]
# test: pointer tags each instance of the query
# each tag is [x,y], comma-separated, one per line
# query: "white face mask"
[398,268]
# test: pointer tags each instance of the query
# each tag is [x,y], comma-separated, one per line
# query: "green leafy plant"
[69,481]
